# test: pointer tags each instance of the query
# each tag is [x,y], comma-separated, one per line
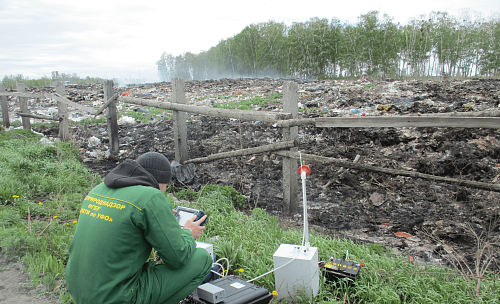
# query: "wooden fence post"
[290,165]
[63,113]
[112,119]
[5,108]
[23,104]
[180,128]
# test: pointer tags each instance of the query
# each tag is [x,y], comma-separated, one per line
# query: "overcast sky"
[124,39]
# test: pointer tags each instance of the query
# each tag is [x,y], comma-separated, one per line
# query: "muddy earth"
[422,218]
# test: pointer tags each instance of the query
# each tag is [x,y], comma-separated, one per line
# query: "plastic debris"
[142,110]
[46,141]
[403,234]
[183,175]
[126,120]
[94,141]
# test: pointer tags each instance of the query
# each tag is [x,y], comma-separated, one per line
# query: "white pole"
[304,200]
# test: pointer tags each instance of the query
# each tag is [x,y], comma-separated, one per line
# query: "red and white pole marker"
[304,171]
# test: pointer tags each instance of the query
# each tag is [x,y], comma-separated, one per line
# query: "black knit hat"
[158,165]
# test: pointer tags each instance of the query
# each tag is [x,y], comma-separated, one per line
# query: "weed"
[477,277]
[44,268]
[237,200]
[18,134]
[16,124]
[41,189]
[369,86]
[95,121]
[248,104]
[143,117]
[45,124]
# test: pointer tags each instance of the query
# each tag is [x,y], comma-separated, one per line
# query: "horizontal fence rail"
[245,115]
[354,165]
[21,94]
[68,102]
[243,152]
[398,122]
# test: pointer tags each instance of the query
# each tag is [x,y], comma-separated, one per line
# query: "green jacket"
[120,221]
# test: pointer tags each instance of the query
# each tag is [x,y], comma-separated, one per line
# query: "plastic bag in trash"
[142,110]
[185,175]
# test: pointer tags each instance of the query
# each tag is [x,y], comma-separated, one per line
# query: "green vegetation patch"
[42,188]
[236,199]
[145,118]
[41,191]
[17,134]
[369,86]
[249,240]
[154,114]
[248,104]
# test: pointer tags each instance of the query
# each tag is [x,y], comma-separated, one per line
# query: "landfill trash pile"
[327,97]
[423,218]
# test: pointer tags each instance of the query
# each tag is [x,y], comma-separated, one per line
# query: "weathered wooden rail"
[287,120]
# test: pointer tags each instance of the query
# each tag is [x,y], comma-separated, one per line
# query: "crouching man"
[121,220]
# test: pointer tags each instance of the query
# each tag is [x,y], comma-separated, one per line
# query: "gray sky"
[124,39]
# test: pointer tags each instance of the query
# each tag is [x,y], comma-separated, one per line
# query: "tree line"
[435,45]
[45,81]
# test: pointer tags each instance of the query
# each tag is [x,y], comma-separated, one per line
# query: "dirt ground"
[15,287]
[414,216]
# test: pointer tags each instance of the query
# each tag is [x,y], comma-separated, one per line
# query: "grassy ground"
[248,104]
[42,188]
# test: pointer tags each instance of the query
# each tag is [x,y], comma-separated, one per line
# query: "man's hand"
[195,227]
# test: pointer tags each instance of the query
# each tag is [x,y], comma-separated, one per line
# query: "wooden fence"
[287,120]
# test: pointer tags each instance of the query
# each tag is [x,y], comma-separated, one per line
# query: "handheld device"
[185,213]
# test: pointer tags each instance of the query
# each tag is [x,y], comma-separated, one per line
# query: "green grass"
[248,104]
[249,242]
[138,116]
[145,118]
[369,86]
[42,188]
[236,199]
[93,121]
[213,97]
[16,123]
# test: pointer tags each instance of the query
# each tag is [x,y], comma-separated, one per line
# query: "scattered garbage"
[126,120]
[99,154]
[403,104]
[37,133]
[46,141]
[94,141]
[142,110]
[403,234]
[377,199]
